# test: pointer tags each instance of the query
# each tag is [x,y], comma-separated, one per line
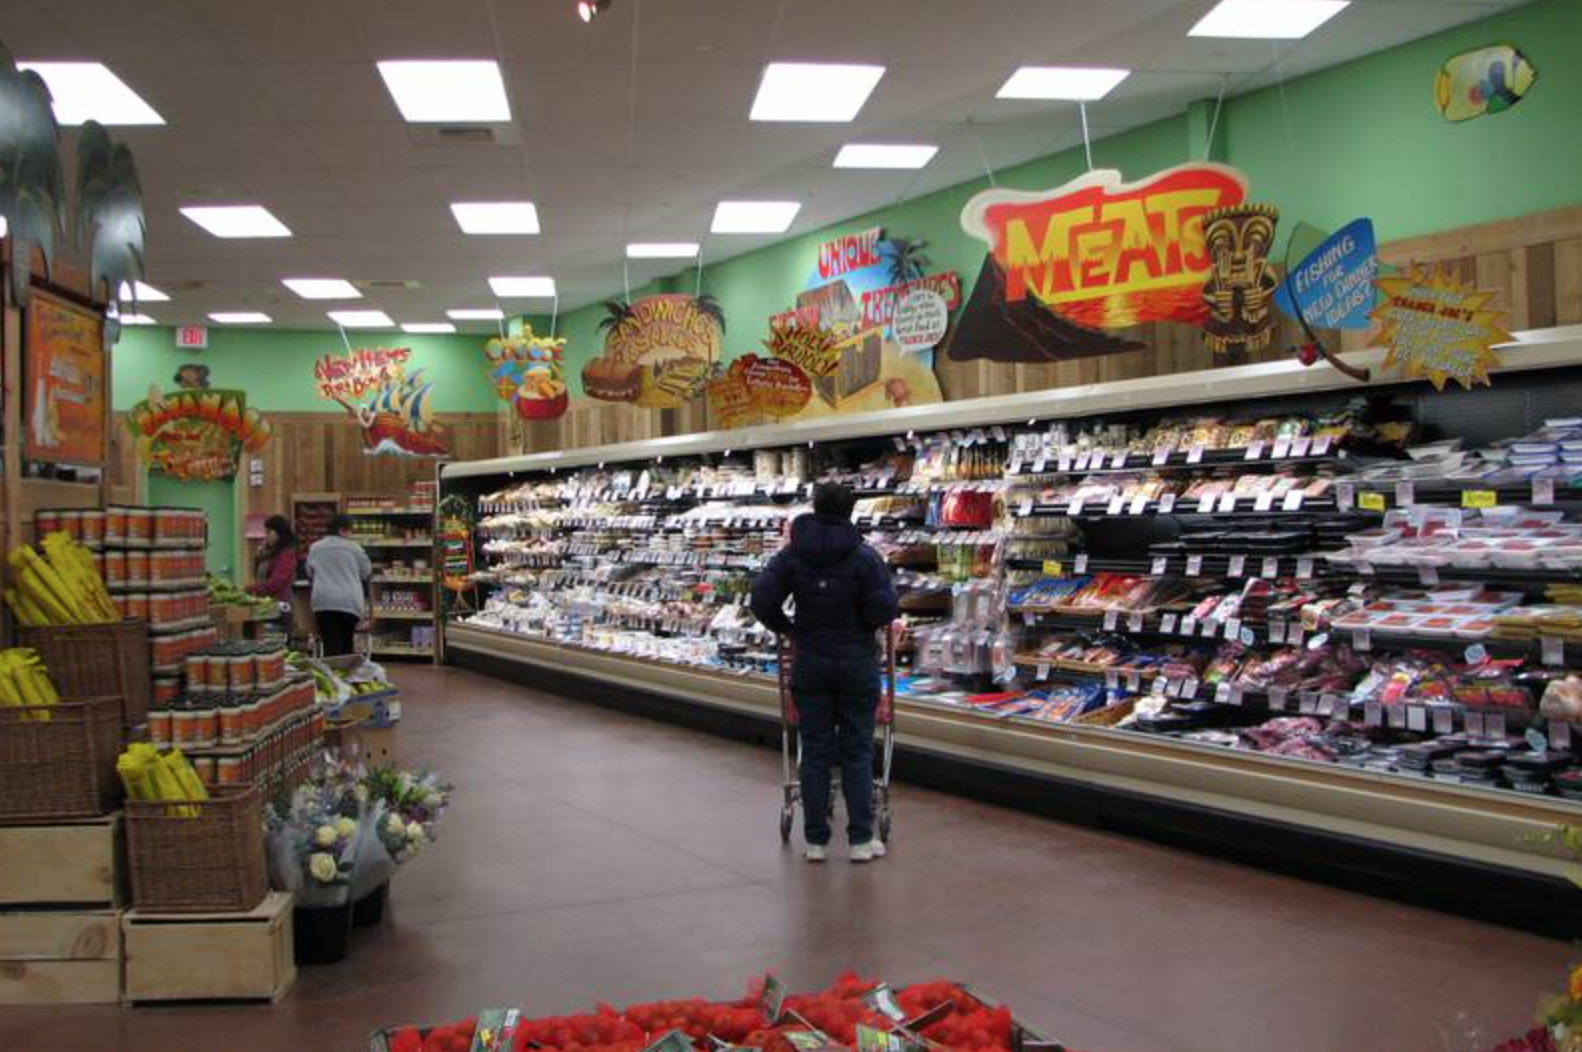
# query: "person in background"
[844,595]
[339,570]
[275,566]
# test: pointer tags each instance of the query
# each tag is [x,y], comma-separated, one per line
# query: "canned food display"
[243,673]
[159,729]
[166,689]
[139,525]
[137,605]
[232,728]
[183,725]
[206,769]
[228,770]
[114,524]
[136,567]
[92,527]
[206,723]
[46,523]
[71,522]
[114,568]
[271,664]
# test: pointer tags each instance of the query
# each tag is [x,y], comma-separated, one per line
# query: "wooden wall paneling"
[1539,263]
[1568,281]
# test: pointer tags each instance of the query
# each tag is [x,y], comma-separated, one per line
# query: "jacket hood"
[822,540]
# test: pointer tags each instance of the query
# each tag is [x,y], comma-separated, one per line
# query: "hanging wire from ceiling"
[1087,140]
[983,155]
[1213,124]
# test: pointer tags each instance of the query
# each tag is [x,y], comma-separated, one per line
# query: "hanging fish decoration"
[1487,80]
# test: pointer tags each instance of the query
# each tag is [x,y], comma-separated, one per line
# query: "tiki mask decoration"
[1239,292]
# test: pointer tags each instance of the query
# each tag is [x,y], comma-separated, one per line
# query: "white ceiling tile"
[324,92]
[277,31]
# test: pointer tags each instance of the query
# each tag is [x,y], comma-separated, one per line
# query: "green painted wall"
[218,499]
[1362,139]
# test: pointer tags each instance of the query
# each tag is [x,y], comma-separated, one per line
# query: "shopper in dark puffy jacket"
[843,595]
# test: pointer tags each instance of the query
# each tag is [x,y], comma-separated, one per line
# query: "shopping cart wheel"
[785,825]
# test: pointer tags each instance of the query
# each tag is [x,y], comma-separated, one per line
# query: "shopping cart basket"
[791,743]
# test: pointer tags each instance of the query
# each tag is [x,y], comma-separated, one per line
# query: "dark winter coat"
[842,588]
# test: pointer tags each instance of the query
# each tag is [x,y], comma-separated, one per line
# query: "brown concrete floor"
[591,855]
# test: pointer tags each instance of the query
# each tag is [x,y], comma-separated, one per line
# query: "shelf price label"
[1559,735]
[1043,672]
[1134,682]
[1159,566]
[1167,624]
[1304,568]
[1282,448]
[1195,455]
[1361,640]
[1238,565]
[1301,446]
[1254,450]
[1117,505]
[1271,567]
[1134,623]
[1543,491]
[1345,496]
[1293,500]
[1444,719]
[1264,501]
[1553,650]
[1025,508]
[1428,576]
[1167,503]
[1227,503]
[1277,698]
[1194,565]
[1479,498]
[1370,501]
[1233,628]
[1189,625]
[1405,495]
[1416,718]
[1139,504]
[1111,619]
[1118,460]
[1080,565]
[1053,568]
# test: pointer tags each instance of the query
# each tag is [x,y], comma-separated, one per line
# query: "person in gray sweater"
[339,570]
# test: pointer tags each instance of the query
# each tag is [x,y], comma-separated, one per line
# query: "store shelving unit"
[399,539]
[618,561]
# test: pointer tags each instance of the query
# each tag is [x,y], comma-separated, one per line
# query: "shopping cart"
[791,743]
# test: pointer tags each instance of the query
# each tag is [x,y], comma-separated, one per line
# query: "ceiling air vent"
[464,135]
[387,285]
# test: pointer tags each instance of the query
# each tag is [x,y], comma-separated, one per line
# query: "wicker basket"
[63,767]
[211,862]
[95,661]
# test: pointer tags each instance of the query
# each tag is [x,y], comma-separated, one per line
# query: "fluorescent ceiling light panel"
[814,91]
[520,287]
[1267,19]
[239,317]
[322,288]
[496,217]
[427,328]
[885,155]
[475,314]
[137,319]
[1069,83]
[361,319]
[662,250]
[236,220]
[145,293]
[754,217]
[88,91]
[462,91]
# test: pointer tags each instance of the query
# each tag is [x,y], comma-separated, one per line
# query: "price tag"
[1233,628]
[1205,505]
[1235,694]
[1238,565]
[1345,496]
[1134,623]
[1227,503]
[1161,456]
[1118,460]
[1043,672]
[1075,507]
[1372,714]
[1361,639]
[1159,686]
[1416,718]
[1478,498]
[1370,501]
[1318,642]
[1428,576]
[1474,722]
[1395,715]
[1210,628]
[1189,687]
[1111,618]
[1248,636]
[1264,501]
[1081,463]
[1270,568]
[1112,679]
[1052,568]
[1494,725]
[1476,654]
[1167,503]
[1160,564]
[1015,467]
[1282,448]
[1304,568]
[1320,445]
[1195,455]
[998,432]
[1277,698]
[1306,703]
[1222,694]
[1276,631]
[1404,495]
[1063,464]
[1444,719]
[1293,500]
[1040,462]
[1254,451]
[1167,624]
[1554,650]
[1025,508]
[1139,504]
[1134,682]
[1029,619]
[1300,446]
[1543,491]
[1080,565]
[1188,625]
[1559,736]
[1117,505]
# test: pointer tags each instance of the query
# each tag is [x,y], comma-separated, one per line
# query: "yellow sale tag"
[1479,498]
[1370,501]
[1052,568]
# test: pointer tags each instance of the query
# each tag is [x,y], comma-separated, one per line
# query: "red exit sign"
[192,337]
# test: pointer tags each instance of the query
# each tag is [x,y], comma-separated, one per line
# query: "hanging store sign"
[658,352]
[754,389]
[1485,81]
[814,351]
[391,406]
[1437,327]
[529,374]
[1332,287]
[196,435]
[1239,293]
[63,377]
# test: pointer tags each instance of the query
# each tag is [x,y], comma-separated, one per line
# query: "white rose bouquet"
[312,839]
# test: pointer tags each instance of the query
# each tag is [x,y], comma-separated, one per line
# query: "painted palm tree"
[709,306]
[616,314]
[907,261]
[109,211]
[32,188]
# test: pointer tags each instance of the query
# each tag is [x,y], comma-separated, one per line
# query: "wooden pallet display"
[77,863]
[210,956]
[60,958]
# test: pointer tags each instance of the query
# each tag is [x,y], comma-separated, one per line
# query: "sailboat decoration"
[399,420]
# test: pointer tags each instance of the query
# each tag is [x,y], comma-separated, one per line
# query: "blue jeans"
[837,700]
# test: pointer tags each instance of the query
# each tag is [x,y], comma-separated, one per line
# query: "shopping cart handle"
[784,654]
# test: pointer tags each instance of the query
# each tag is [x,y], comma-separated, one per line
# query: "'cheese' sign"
[1103,252]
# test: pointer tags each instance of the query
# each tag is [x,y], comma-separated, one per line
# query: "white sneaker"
[816,853]
[867,852]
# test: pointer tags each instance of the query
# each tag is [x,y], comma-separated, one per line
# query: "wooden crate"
[210,956]
[73,863]
[48,957]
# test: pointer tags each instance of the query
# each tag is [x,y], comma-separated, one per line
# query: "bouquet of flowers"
[313,838]
[414,802]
